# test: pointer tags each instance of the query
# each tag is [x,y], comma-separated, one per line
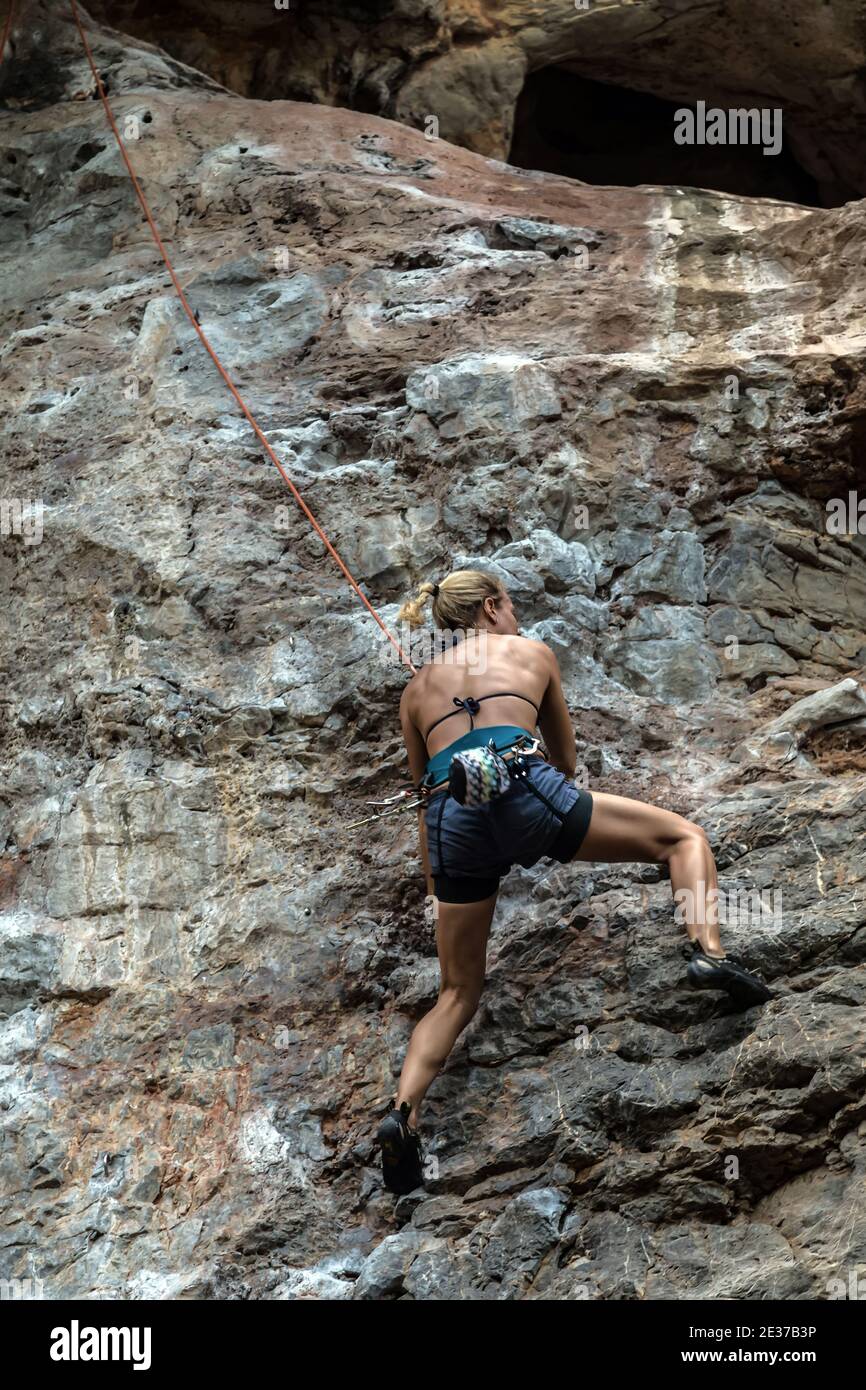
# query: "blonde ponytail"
[412,611]
[455,602]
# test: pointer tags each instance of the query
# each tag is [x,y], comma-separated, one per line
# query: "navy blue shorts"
[471,847]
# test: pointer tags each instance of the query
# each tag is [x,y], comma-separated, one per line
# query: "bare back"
[481,666]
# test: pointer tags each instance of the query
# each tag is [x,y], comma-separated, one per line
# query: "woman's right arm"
[554,721]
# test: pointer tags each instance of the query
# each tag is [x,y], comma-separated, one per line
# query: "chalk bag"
[477,776]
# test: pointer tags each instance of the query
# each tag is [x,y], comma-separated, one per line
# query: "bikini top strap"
[471,706]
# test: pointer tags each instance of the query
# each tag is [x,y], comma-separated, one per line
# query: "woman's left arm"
[417,753]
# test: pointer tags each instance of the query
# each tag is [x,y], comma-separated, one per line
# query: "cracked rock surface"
[635,405]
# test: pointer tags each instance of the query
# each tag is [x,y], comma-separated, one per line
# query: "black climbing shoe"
[727,973]
[402,1155]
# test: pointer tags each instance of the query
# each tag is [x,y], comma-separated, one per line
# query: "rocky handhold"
[383,1273]
[674,570]
[662,652]
[838,704]
[778,744]
[566,567]
[481,392]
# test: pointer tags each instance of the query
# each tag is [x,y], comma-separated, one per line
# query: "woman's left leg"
[462,930]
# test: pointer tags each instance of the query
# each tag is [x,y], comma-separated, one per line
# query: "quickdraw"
[399,797]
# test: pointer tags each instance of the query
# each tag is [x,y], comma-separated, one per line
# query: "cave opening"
[604,134]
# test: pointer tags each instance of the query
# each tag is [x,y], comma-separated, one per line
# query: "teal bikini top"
[503,735]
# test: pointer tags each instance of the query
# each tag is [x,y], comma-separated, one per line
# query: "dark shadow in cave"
[567,124]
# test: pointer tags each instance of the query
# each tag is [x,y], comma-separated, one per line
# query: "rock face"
[636,406]
[479,71]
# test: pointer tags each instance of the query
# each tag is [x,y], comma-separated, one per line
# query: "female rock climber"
[493,684]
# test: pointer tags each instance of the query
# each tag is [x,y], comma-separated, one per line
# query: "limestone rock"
[466,67]
[208,979]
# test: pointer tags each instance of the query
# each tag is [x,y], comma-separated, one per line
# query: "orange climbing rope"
[218,364]
[6,27]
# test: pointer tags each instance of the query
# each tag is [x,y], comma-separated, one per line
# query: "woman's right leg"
[622,831]
[462,930]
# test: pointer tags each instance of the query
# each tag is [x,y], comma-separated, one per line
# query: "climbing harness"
[520,770]
[191,315]
[477,776]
